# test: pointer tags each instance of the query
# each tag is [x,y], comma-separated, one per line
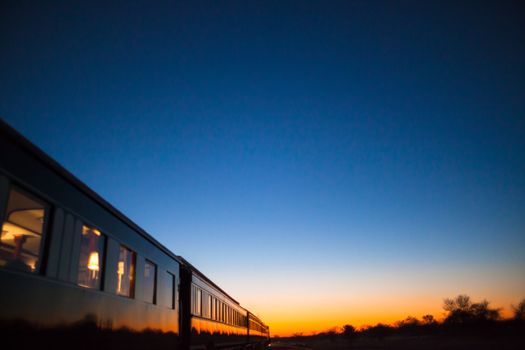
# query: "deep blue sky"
[277,137]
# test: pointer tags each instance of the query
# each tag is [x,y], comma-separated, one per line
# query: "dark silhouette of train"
[76,272]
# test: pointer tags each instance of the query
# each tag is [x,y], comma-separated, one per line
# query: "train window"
[204,304]
[91,257]
[213,308]
[198,302]
[22,232]
[169,296]
[208,308]
[126,272]
[193,299]
[150,277]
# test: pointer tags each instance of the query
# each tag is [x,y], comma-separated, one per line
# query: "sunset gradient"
[325,163]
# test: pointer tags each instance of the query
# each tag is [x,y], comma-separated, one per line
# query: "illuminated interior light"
[120,272]
[96,232]
[93,262]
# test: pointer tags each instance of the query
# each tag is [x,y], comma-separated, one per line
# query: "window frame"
[171,280]
[132,287]
[155,279]
[48,208]
[103,258]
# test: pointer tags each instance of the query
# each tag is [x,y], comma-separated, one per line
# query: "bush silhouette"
[461,310]
[519,311]
[349,331]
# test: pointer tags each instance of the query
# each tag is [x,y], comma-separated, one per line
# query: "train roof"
[195,271]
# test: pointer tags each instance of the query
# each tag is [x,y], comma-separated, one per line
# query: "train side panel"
[216,321]
[46,254]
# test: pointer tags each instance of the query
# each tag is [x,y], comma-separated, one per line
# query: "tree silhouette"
[408,322]
[519,311]
[428,320]
[349,331]
[481,311]
[462,310]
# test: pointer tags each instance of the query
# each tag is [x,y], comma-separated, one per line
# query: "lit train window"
[91,257]
[126,273]
[22,232]
[150,277]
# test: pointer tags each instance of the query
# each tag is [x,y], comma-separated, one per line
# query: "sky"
[324,162]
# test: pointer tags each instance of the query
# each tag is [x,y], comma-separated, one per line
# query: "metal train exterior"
[75,271]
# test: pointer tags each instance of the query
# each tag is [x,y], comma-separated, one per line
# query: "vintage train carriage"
[75,271]
[73,268]
[216,319]
[257,330]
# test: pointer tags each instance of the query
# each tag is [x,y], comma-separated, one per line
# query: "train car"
[258,332]
[216,319]
[75,271]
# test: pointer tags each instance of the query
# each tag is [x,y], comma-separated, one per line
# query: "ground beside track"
[399,343]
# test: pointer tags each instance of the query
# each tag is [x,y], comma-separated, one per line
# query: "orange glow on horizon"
[288,320]
[288,325]
[315,300]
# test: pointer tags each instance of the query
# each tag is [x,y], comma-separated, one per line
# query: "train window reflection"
[22,232]
[208,307]
[169,297]
[91,258]
[150,276]
[126,273]
[196,300]
[199,302]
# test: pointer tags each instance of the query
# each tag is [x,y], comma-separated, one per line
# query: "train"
[78,273]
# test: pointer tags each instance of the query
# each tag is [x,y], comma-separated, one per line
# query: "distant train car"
[216,319]
[258,332]
[75,271]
